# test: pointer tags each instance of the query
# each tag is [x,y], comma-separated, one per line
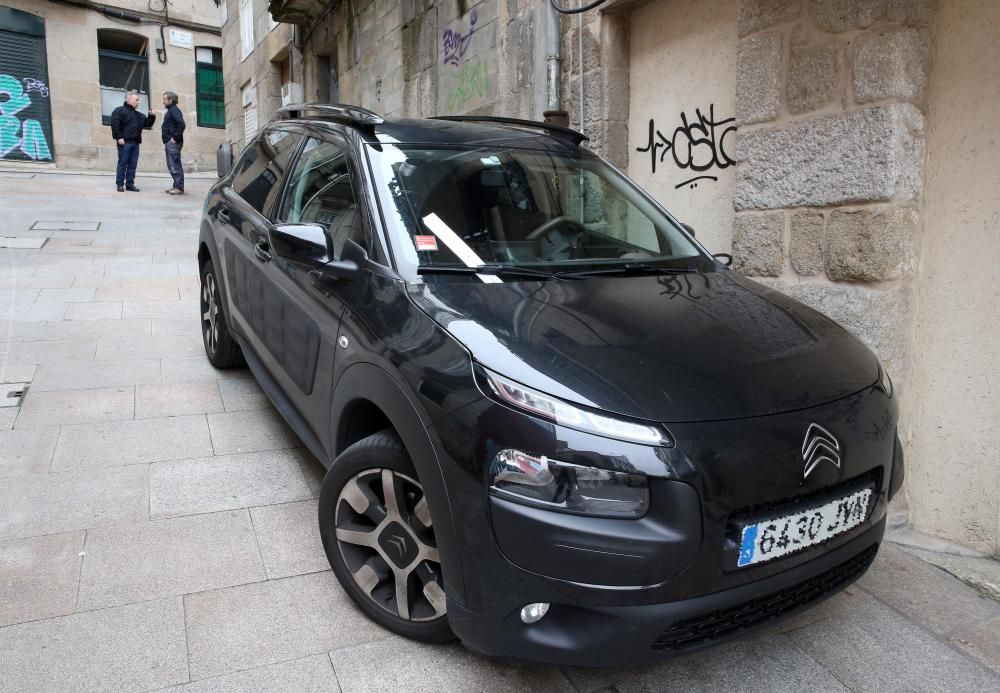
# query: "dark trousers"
[128,159]
[174,163]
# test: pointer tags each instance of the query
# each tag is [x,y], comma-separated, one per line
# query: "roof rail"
[352,114]
[558,131]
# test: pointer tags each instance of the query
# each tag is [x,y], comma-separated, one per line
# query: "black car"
[555,426]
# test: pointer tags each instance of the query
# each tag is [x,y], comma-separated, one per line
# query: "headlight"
[526,399]
[570,488]
[884,382]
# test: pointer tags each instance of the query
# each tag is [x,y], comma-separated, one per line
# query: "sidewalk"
[157,518]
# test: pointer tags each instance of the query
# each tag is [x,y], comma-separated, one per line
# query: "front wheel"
[220,347]
[378,536]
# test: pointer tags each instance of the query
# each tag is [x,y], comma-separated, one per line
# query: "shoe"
[121,188]
[131,188]
[175,191]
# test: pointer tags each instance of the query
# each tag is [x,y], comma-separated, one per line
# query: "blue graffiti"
[455,44]
[27,136]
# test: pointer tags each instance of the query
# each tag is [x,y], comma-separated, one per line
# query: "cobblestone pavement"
[157,517]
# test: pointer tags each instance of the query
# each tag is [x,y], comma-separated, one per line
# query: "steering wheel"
[554,244]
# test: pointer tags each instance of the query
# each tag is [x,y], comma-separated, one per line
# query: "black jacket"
[173,125]
[127,124]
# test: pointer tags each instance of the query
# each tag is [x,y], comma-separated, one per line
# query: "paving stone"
[39,576]
[30,282]
[65,295]
[136,294]
[148,347]
[266,622]
[150,560]
[250,431]
[81,375]
[29,312]
[225,483]
[170,310]
[981,642]
[422,668]
[17,372]
[69,271]
[48,351]
[94,311]
[758,663]
[135,647]
[142,270]
[313,470]
[177,399]
[289,539]
[10,297]
[42,408]
[27,451]
[7,417]
[79,329]
[307,675]
[183,326]
[241,394]
[132,442]
[913,588]
[36,504]
[875,648]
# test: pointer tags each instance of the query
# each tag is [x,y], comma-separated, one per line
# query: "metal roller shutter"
[25,112]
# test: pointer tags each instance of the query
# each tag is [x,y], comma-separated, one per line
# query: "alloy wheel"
[384,534]
[210,312]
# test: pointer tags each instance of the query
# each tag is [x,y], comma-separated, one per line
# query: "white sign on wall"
[180,38]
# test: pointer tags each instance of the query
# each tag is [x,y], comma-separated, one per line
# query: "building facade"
[64,66]
[842,150]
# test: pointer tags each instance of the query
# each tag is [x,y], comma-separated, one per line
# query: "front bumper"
[577,634]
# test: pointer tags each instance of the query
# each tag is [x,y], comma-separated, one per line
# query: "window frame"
[142,60]
[269,211]
[198,95]
[247,38]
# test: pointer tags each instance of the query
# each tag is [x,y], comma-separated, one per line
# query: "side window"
[261,168]
[319,192]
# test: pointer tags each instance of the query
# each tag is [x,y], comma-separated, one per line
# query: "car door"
[241,222]
[304,306]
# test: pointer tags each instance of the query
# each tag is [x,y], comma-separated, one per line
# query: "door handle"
[262,251]
[223,214]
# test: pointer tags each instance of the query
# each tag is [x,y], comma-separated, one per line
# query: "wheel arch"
[366,400]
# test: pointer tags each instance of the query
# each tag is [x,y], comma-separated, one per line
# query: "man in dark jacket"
[127,125]
[173,140]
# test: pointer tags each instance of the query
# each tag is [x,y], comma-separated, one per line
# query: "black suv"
[555,426]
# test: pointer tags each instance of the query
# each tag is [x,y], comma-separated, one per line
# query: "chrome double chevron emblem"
[818,446]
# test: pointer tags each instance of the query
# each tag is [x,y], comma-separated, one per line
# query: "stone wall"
[80,140]
[831,106]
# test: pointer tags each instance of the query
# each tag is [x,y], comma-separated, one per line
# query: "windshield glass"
[466,207]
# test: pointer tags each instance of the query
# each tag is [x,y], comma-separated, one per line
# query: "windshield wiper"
[508,270]
[627,268]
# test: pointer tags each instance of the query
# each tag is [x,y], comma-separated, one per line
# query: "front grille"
[722,623]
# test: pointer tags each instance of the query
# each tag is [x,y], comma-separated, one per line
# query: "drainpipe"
[554,112]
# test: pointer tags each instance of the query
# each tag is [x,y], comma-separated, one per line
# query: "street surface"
[157,518]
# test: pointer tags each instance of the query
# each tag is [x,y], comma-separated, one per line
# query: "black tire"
[391,551]
[220,347]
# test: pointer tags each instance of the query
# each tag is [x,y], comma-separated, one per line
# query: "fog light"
[533,613]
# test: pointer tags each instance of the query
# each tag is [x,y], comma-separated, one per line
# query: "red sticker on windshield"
[426,242]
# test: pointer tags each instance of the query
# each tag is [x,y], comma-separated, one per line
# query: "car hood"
[670,348]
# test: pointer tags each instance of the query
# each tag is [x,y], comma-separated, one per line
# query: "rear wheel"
[379,539]
[220,347]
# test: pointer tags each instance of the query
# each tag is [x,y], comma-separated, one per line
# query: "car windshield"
[453,209]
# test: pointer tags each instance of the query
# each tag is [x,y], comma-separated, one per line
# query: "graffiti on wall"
[455,44]
[698,145]
[27,136]
[471,81]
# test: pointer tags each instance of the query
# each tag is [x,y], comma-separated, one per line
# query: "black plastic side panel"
[601,551]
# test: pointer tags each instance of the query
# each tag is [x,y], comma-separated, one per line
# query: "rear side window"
[319,192]
[262,167]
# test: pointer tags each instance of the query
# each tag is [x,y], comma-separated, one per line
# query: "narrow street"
[157,517]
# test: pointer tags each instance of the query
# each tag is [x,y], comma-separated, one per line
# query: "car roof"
[444,130]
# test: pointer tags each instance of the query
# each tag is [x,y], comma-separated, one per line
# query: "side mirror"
[306,244]
[725,258]
[352,258]
[224,159]
[688,228]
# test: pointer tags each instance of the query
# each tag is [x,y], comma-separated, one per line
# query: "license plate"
[770,539]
